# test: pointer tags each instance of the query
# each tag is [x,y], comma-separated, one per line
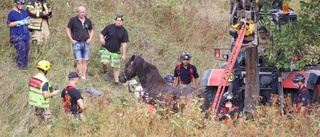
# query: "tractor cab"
[279,20]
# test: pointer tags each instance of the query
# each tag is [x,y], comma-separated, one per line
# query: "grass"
[159,30]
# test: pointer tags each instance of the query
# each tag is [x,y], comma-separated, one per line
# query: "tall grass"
[159,30]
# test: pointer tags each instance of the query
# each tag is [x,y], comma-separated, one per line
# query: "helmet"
[298,78]
[20,1]
[44,65]
[228,96]
[185,55]
[169,78]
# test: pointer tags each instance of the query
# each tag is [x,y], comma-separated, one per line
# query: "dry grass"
[159,31]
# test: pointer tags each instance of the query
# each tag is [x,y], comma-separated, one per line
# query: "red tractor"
[246,74]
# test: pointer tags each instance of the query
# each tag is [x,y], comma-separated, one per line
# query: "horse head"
[130,69]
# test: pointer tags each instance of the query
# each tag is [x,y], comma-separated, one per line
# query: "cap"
[73,75]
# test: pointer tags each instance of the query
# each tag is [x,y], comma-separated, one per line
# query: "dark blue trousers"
[22,47]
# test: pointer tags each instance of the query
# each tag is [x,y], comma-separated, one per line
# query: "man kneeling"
[71,97]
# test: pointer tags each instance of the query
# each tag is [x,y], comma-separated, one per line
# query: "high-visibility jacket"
[35,10]
[36,97]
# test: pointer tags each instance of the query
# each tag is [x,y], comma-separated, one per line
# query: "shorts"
[110,57]
[81,50]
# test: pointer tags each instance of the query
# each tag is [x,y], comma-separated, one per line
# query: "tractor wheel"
[210,92]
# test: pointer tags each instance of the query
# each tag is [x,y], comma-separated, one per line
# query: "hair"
[119,15]
[263,28]
[72,79]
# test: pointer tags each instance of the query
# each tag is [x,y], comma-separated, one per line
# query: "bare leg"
[105,66]
[116,72]
[79,66]
[84,68]
[105,69]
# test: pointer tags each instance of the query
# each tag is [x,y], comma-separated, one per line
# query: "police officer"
[40,91]
[304,96]
[229,110]
[185,72]
[169,79]
[40,11]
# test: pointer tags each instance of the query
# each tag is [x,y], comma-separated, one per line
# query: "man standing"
[80,33]
[40,11]
[73,101]
[184,73]
[40,91]
[304,96]
[17,21]
[112,38]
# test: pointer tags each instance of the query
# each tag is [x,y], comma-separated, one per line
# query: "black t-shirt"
[70,96]
[185,73]
[114,36]
[79,31]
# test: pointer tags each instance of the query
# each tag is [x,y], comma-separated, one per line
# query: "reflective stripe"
[33,101]
[34,27]
[38,14]
[35,92]
[30,6]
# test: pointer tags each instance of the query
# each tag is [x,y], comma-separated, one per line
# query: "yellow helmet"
[44,65]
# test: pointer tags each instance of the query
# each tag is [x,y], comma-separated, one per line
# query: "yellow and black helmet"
[44,65]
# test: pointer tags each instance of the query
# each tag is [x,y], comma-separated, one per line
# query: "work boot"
[106,76]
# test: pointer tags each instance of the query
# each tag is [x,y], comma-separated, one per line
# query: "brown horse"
[158,91]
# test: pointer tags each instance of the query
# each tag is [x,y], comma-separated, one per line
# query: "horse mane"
[148,73]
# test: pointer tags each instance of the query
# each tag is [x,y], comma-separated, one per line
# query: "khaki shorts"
[110,57]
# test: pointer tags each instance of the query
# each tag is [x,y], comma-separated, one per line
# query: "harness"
[304,89]
[66,99]
[179,76]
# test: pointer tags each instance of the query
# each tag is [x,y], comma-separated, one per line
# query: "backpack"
[66,99]
[190,69]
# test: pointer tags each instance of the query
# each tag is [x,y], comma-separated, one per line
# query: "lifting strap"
[228,69]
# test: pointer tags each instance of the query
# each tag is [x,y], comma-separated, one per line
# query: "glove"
[22,22]
[25,21]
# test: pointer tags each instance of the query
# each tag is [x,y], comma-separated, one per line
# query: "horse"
[158,91]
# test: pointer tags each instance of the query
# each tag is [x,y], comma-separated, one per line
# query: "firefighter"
[169,79]
[40,11]
[185,72]
[229,110]
[40,92]
[304,95]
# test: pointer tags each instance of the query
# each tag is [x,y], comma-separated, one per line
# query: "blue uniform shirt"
[18,32]
[185,74]
[303,97]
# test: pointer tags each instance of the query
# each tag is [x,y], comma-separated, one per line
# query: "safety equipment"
[169,78]
[228,96]
[20,1]
[178,72]
[298,78]
[185,56]
[44,65]
[35,91]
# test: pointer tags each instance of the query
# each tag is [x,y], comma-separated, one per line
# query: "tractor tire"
[210,92]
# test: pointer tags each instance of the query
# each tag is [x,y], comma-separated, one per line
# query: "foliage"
[297,39]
